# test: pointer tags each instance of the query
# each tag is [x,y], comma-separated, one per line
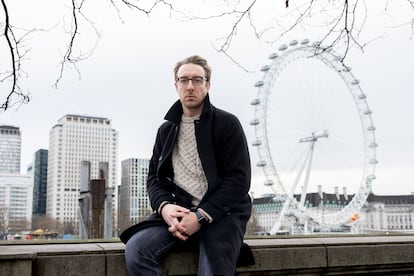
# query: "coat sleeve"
[232,184]
[159,189]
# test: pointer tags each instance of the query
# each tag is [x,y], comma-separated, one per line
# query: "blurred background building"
[10,149]
[134,204]
[77,138]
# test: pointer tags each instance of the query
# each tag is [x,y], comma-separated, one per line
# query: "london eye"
[313,129]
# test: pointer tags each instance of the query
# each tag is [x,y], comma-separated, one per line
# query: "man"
[198,182]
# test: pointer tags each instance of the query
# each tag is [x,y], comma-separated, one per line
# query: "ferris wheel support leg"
[278,223]
[276,226]
[305,185]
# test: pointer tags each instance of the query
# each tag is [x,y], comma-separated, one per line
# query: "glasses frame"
[187,81]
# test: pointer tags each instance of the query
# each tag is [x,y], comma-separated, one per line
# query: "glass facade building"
[39,172]
[10,148]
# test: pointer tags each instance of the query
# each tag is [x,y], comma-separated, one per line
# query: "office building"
[15,203]
[134,205]
[77,138]
[39,172]
[10,147]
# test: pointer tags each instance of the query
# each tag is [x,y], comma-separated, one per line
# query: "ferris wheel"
[313,129]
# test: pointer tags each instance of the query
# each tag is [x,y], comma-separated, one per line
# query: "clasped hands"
[181,221]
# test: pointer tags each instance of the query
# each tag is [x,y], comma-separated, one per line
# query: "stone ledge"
[308,255]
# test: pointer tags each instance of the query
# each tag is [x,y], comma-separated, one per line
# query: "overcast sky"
[129,79]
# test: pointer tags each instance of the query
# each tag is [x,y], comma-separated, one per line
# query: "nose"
[190,84]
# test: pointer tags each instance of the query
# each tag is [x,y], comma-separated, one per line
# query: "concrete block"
[180,263]
[70,265]
[115,265]
[371,254]
[288,258]
[18,267]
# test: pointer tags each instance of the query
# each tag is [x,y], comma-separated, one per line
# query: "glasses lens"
[183,81]
[197,81]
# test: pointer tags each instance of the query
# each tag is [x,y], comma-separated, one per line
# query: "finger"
[172,229]
[182,209]
[181,236]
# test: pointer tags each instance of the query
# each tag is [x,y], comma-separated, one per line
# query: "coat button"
[160,158]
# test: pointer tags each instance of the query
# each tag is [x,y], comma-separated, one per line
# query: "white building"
[388,213]
[77,138]
[16,193]
[134,203]
[10,148]
[380,213]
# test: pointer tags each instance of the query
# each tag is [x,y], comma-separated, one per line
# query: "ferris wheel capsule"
[373,145]
[265,68]
[293,42]
[256,143]
[254,122]
[283,47]
[273,55]
[255,101]
[362,96]
[259,83]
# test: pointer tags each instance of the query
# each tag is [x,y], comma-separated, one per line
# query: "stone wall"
[281,256]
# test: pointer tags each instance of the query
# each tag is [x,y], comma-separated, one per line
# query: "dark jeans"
[145,248]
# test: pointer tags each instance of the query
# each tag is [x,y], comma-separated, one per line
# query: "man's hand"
[172,215]
[190,224]
[182,222]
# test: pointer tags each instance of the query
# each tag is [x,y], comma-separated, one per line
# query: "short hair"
[198,60]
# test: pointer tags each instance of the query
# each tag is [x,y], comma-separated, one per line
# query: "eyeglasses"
[197,81]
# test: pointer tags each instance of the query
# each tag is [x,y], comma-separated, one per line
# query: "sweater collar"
[176,111]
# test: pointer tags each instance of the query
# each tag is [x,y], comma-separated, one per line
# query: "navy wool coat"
[224,156]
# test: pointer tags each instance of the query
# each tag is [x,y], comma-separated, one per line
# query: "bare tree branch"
[344,22]
[15,63]
[69,59]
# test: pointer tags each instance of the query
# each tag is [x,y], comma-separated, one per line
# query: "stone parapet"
[279,256]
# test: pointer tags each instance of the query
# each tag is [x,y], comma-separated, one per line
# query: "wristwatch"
[201,219]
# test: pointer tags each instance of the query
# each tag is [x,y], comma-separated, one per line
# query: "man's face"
[191,92]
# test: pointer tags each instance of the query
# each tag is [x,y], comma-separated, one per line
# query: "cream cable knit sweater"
[188,172]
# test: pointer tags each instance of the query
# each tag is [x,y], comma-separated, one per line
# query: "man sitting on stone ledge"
[198,183]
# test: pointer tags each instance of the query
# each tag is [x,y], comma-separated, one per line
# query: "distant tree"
[69,227]
[19,224]
[45,222]
[11,223]
[4,218]
[124,221]
[253,226]
[343,22]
